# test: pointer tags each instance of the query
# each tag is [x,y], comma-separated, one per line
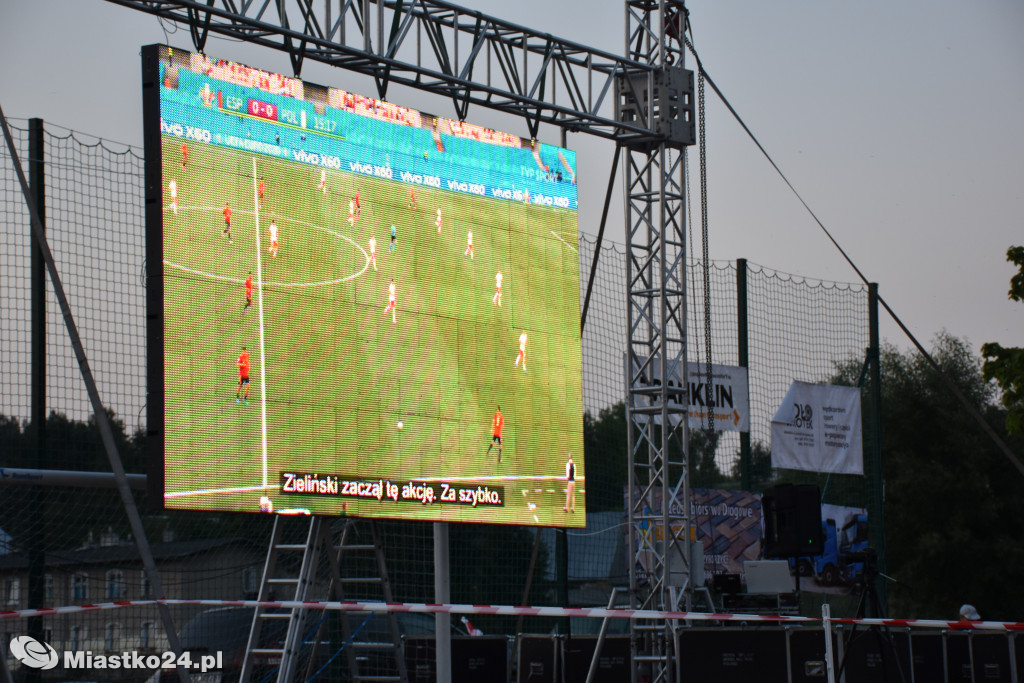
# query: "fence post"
[746,475]
[876,520]
[36,539]
[99,412]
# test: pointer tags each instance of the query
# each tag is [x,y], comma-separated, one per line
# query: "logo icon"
[34,653]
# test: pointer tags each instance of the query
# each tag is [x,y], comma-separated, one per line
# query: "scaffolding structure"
[656,207]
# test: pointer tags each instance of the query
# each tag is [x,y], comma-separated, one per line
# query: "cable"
[709,391]
[996,439]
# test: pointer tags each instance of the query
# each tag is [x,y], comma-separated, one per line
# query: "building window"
[145,585]
[48,635]
[250,580]
[116,587]
[146,635]
[48,589]
[112,640]
[77,637]
[12,591]
[80,586]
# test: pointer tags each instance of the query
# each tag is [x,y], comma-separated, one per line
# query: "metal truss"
[659,483]
[435,46]
[659,507]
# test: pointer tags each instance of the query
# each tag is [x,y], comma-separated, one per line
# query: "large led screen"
[357,308]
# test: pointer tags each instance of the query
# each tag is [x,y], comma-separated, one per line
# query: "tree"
[760,464]
[71,514]
[607,459]
[1006,365]
[952,500]
[491,564]
[704,472]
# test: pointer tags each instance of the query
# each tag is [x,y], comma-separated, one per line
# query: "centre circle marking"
[235,280]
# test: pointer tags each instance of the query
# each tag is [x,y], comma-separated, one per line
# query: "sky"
[898,123]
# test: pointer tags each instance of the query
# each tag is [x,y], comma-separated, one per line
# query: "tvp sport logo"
[34,653]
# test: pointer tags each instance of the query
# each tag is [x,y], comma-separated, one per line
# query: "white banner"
[728,401]
[817,428]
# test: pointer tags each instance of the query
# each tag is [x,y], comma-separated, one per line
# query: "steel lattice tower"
[655,215]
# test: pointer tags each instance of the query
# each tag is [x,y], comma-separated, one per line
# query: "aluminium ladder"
[290,573]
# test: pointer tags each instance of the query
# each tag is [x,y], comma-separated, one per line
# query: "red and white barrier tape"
[504,610]
[70,609]
[509,610]
[935,623]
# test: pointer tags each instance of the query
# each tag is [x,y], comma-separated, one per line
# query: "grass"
[332,375]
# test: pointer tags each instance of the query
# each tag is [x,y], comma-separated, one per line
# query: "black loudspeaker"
[792,521]
[728,655]
[727,583]
[613,663]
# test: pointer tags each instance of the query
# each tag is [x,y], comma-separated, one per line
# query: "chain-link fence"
[73,543]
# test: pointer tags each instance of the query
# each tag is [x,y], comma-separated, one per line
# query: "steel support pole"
[99,412]
[36,540]
[742,337]
[442,596]
[876,514]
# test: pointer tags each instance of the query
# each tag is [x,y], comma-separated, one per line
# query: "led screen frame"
[279,215]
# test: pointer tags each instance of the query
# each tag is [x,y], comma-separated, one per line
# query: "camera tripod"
[882,636]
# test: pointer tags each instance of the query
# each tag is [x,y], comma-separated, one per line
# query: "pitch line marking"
[233,489]
[559,238]
[275,487]
[263,346]
[238,281]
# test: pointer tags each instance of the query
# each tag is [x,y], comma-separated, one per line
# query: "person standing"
[248,292]
[243,376]
[469,248]
[497,424]
[373,251]
[274,245]
[173,188]
[497,289]
[570,486]
[391,300]
[227,222]
[522,351]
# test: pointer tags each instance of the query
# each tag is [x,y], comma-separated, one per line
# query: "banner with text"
[724,398]
[817,428]
[727,524]
[284,127]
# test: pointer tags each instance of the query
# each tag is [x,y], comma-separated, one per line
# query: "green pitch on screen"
[375,365]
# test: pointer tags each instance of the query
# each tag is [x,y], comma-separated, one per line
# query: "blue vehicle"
[826,565]
[834,566]
[853,542]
